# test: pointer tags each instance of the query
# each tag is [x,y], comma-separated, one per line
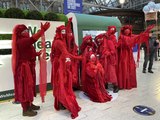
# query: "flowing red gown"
[126,63]
[94,84]
[110,65]
[73,49]
[87,47]
[25,77]
[62,79]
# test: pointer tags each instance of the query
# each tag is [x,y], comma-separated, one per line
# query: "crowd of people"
[102,61]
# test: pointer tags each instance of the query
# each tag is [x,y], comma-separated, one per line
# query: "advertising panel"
[94,33]
[6,76]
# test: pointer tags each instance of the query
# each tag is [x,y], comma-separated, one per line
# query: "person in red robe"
[73,49]
[87,47]
[126,64]
[61,77]
[23,66]
[99,43]
[94,84]
[107,55]
[112,59]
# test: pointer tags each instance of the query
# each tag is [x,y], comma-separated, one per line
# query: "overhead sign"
[74,6]
[144,110]
[151,16]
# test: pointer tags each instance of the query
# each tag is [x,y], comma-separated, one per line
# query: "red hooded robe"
[126,64]
[94,84]
[62,76]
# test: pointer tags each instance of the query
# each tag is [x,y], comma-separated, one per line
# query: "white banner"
[6,27]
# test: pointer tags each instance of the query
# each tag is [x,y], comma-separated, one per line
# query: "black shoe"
[106,86]
[34,107]
[85,94]
[16,102]
[61,107]
[144,71]
[115,89]
[150,71]
[29,113]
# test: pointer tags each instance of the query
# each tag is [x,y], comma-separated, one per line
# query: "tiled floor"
[147,93]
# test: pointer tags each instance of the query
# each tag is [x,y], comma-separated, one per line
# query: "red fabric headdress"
[86,38]
[110,27]
[85,42]
[100,36]
[15,36]
[59,34]
[60,28]
[126,27]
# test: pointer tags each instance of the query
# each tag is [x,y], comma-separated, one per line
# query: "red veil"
[16,33]
[43,69]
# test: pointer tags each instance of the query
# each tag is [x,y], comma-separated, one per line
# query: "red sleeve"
[25,42]
[111,47]
[119,42]
[52,51]
[82,47]
[91,70]
[59,44]
[138,39]
[100,68]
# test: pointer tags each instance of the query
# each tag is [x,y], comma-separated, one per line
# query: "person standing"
[149,55]
[23,66]
[72,48]
[112,59]
[61,76]
[126,63]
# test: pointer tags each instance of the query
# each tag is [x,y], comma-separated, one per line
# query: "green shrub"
[3,10]
[43,13]
[5,36]
[62,17]
[1,14]
[35,15]
[14,13]
[25,12]
[51,16]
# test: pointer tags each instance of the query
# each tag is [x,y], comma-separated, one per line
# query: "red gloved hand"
[45,26]
[68,61]
[40,32]
[149,28]
[70,19]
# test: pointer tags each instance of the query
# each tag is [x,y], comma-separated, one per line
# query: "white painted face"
[99,40]
[88,41]
[112,29]
[92,56]
[26,30]
[63,31]
[90,49]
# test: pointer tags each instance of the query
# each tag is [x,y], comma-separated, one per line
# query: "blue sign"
[74,6]
[144,110]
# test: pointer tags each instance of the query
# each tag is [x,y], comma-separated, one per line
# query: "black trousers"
[148,57]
